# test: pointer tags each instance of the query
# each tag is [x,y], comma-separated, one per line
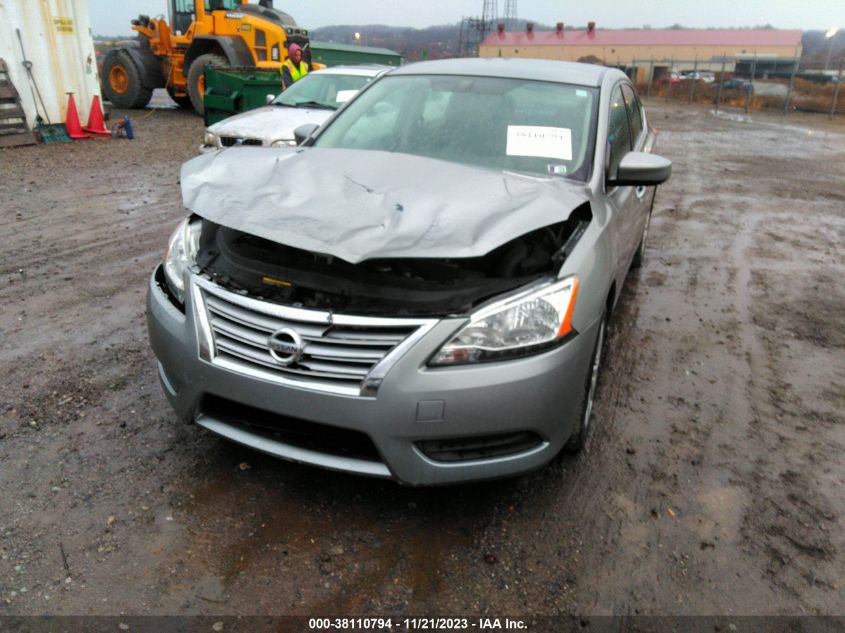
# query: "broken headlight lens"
[181,254]
[523,324]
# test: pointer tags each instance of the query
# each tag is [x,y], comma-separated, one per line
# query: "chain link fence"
[750,84]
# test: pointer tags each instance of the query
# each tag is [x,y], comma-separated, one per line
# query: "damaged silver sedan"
[421,289]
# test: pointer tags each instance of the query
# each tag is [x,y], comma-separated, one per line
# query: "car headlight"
[181,253]
[283,143]
[520,325]
[211,139]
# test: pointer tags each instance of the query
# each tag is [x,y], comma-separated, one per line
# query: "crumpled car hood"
[269,123]
[359,205]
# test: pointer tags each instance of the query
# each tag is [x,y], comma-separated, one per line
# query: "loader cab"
[184,12]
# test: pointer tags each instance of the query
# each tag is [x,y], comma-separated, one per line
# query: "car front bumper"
[414,404]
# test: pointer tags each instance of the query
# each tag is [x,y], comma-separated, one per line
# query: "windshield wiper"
[311,104]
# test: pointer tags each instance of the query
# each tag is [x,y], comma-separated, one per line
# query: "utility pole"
[693,80]
[721,82]
[510,15]
[829,37]
[789,89]
[836,89]
[750,91]
[489,15]
[474,30]
[650,77]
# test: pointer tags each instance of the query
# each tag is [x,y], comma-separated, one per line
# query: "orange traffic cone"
[96,125]
[74,127]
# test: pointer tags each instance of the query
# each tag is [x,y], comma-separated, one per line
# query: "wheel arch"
[610,302]
[233,49]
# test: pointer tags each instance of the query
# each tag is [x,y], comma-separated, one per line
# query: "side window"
[183,15]
[618,135]
[214,5]
[635,113]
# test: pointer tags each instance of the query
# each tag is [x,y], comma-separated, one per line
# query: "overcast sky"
[112,18]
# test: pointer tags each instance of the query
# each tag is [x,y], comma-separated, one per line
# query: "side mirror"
[639,169]
[302,133]
[269,99]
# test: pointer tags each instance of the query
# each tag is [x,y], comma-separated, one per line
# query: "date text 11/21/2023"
[415,624]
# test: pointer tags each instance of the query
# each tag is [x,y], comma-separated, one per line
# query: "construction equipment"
[173,54]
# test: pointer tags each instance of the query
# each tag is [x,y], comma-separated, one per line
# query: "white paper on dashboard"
[539,141]
[344,95]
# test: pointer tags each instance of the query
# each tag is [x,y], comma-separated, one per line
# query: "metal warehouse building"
[660,49]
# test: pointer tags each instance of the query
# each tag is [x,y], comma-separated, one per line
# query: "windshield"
[322,90]
[512,124]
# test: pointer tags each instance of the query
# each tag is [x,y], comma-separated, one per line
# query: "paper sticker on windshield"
[540,142]
[345,95]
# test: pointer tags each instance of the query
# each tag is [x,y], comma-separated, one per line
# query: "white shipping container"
[57,39]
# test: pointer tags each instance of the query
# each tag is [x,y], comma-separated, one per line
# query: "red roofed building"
[628,48]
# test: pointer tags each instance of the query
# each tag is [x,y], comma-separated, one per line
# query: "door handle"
[640,192]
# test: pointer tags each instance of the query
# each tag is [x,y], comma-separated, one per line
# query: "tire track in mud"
[764,471]
[790,515]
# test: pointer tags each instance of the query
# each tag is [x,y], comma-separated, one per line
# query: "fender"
[148,64]
[233,48]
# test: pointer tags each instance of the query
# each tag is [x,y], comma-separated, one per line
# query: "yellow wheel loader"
[173,53]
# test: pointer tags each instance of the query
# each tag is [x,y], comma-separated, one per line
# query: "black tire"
[122,81]
[639,256]
[183,101]
[196,74]
[578,439]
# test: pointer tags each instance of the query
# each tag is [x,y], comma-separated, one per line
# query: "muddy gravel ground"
[713,483]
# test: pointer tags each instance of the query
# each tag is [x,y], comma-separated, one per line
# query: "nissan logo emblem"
[285,346]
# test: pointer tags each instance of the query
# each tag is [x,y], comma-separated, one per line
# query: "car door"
[622,198]
[639,142]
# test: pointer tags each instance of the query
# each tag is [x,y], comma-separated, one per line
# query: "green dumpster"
[232,90]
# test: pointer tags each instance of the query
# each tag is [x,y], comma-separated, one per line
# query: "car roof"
[536,69]
[361,70]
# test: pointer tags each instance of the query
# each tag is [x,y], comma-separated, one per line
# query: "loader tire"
[122,81]
[196,78]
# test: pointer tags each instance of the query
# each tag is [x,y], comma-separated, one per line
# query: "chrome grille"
[339,352]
